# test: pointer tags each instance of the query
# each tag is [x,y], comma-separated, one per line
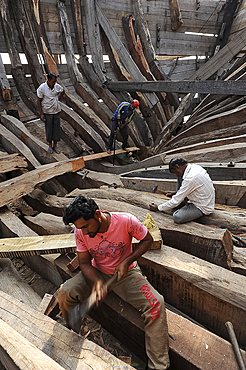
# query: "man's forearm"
[89,272]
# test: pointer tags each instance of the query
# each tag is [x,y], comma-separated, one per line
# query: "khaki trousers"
[136,290]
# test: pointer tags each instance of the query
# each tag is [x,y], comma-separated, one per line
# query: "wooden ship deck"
[185,62]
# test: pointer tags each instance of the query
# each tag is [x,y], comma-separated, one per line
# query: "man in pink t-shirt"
[104,246]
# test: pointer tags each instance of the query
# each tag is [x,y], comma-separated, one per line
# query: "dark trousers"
[123,132]
[52,127]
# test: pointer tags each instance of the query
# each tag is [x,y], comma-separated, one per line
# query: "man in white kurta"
[48,95]
[195,196]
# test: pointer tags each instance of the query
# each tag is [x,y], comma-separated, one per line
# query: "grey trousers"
[136,290]
[185,212]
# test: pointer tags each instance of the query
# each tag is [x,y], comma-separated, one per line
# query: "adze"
[81,309]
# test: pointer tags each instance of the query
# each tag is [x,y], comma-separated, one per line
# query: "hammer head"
[155,189]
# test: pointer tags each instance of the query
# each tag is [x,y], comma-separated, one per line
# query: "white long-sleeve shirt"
[197,186]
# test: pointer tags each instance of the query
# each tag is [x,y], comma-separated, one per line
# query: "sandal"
[56,150]
[50,150]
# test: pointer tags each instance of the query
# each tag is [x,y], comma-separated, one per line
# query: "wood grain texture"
[64,346]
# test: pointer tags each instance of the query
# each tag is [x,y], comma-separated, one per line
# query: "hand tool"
[77,313]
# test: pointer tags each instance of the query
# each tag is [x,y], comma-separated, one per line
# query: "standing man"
[122,116]
[104,246]
[195,194]
[48,95]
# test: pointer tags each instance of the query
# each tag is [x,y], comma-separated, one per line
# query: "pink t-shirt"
[112,247]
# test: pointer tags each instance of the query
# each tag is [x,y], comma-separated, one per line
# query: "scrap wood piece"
[49,305]
[17,350]
[37,245]
[191,346]
[217,295]
[64,346]
[17,187]
[175,14]
[12,162]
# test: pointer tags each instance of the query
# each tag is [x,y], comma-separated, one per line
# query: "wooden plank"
[92,138]
[219,153]
[18,353]
[226,192]
[38,148]
[12,144]
[178,275]
[67,348]
[226,54]
[12,162]
[47,224]
[225,218]
[4,82]
[202,87]
[37,245]
[12,283]
[187,340]
[175,15]
[124,55]
[91,157]
[24,184]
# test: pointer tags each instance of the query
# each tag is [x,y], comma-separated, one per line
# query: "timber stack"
[185,64]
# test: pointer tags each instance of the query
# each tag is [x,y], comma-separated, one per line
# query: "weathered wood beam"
[28,43]
[4,83]
[226,54]
[20,79]
[202,87]
[20,354]
[81,87]
[223,217]
[219,121]
[94,137]
[17,187]
[148,48]
[226,192]
[186,337]
[122,52]
[12,283]
[67,348]
[175,15]
[38,148]
[41,37]
[11,226]
[178,275]
[94,38]
[47,224]
[12,144]
[12,162]
[135,49]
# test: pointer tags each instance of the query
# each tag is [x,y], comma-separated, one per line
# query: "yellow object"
[149,222]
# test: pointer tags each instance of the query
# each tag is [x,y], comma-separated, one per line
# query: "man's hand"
[101,291]
[42,117]
[122,269]
[153,207]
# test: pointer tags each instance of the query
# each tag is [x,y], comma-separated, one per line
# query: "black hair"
[80,206]
[175,161]
[51,75]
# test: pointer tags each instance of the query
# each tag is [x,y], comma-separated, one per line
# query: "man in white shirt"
[48,95]
[195,195]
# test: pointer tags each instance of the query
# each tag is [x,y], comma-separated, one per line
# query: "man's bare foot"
[124,149]
[109,151]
